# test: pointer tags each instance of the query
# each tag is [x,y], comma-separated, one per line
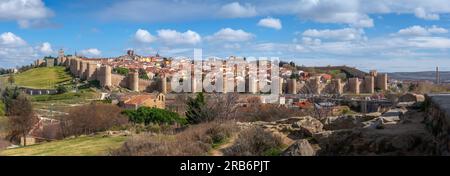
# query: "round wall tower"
[133,78]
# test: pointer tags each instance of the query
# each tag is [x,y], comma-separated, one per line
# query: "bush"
[121,71]
[62,89]
[255,142]
[91,118]
[267,113]
[4,144]
[197,110]
[52,132]
[193,141]
[146,115]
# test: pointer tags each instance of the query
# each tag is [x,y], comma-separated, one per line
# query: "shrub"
[267,112]
[62,89]
[91,118]
[4,144]
[52,132]
[193,141]
[121,71]
[197,110]
[146,115]
[255,142]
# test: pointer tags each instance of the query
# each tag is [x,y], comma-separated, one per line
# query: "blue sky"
[400,35]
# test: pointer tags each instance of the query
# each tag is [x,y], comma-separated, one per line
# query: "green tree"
[8,96]
[146,115]
[121,71]
[61,89]
[197,110]
[143,74]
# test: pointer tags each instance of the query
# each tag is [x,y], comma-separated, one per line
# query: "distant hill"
[428,75]
[349,71]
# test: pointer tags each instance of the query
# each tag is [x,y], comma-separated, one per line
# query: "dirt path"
[219,150]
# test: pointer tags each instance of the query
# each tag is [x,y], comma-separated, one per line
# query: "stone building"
[153,100]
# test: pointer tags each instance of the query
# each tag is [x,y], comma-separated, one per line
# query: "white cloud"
[236,10]
[430,42]
[10,39]
[172,37]
[422,31]
[14,51]
[231,35]
[45,48]
[310,41]
[143,36]
[334,11]
[25,12]
[270,23]
[421,13]
[355,13]
[337,34]
[91,52]
[232,46]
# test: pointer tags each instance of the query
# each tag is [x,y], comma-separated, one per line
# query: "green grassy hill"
[43,78]
[81,146]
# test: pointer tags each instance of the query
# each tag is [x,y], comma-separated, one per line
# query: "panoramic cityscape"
[224,78]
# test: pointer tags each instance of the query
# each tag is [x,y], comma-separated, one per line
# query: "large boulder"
[343,122]
[300,148]
[412,97]
[308,125]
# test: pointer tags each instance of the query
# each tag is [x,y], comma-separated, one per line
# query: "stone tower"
[133,78]
[91,67]
[292,86]
[164,84]
[105,76]
[382,82]
[82,71]
[353,86]
[337,86]
[252,85]
[78,67]
[369,84]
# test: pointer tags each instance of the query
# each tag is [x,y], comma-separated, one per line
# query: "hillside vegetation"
[2,109]
[43,78]
[81,146]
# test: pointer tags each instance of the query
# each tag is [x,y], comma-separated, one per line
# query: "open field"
[81,146]
[43,78]
[60,102]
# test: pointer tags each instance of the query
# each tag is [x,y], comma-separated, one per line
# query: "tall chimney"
[438,78]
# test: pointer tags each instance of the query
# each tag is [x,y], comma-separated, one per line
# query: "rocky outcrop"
[374,142]
[438,120]
[412,97]
[295,127]
[343,122]
[300,148]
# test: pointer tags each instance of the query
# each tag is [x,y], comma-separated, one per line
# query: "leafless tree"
[224,105]
[91,118]
[21,117]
